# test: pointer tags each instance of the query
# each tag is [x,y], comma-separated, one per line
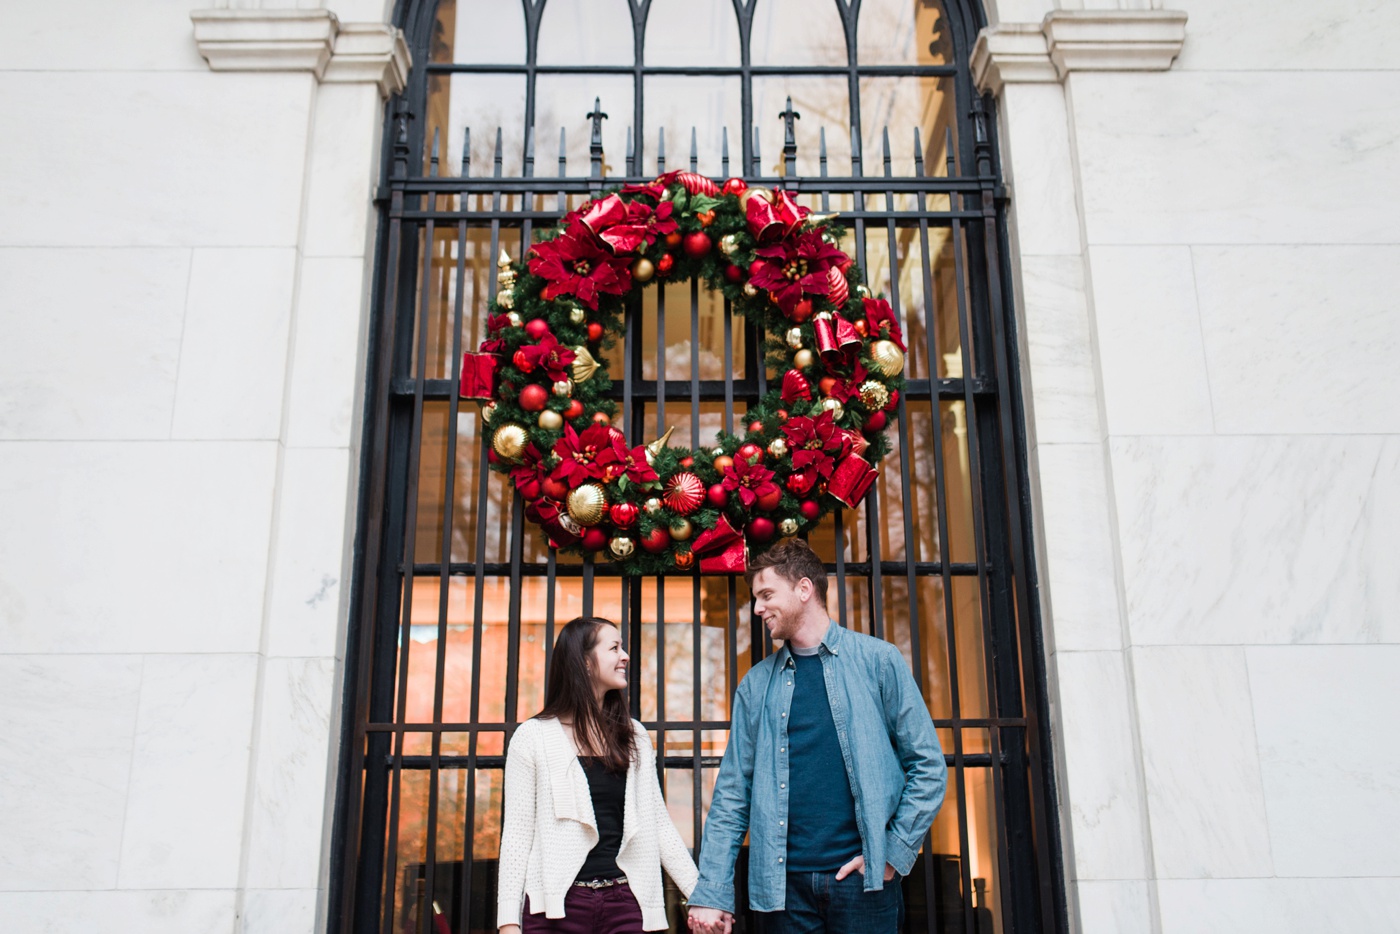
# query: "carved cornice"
[303,40]
[1067,41]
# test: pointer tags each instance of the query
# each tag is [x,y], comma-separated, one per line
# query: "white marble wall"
[1207,263]
[183,271]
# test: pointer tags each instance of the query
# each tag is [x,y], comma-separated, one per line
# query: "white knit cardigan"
[548,827]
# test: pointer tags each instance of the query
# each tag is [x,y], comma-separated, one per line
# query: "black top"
[608,790]
[822,830]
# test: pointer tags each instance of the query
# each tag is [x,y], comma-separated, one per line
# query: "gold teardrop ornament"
[659,445]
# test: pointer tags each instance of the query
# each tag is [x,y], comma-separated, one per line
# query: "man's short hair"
[793,560]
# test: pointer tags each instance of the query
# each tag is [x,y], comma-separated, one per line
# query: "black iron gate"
[457,599]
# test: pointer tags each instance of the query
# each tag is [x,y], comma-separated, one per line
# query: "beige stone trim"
[1077,40]
[303,40]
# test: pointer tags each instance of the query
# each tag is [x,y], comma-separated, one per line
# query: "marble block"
[340,179]
[1114,907]
[1059,350]
[1278,906]
[116,912]
[1289,35]
[326,381]
[1264,540]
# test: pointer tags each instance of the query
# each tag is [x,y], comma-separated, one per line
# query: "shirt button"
[780,859]
[782,785]
[789,684]
[784,715]
[781,823]
[782,749]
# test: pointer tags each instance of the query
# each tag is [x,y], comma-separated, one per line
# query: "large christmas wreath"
[809,446]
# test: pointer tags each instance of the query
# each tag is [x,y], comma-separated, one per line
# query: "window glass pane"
[824,103]
[484,104]
[692,32]
[902,105]
[565,101]
[903,32]
[478,32]
[797,32]
[709,106]
[586,32]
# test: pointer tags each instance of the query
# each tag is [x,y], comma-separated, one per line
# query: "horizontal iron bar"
[803,184]
[538,569]
[949,390]
[513,219]
[677,763]
[893,71]
[965,723]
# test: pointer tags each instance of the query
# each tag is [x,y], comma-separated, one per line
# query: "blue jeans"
[816,903]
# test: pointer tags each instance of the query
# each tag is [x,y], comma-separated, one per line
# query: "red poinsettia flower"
[796,266]
[882,322]
[847,387]
[574,264]
[632,462]
[750,481]
[813,441]
[495,324]
[653,189]
[583,457]
[654,223]
[551,355]
[528,474]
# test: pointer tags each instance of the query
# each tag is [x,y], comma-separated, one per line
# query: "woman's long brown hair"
[569,696]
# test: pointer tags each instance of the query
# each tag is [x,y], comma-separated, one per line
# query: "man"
[833,768]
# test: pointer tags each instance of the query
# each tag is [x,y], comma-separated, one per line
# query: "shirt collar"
[831,642]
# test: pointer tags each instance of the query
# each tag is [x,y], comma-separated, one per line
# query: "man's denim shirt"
[893,760]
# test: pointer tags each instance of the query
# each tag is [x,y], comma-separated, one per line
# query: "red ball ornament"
[595,539]
[747,452]
[697,244]
[530,489]
[664,264]
[536,328]
[574,410]
[755,427]
[673,239]
[782,415]
[733,186]
[684,493]
[623,514]
[656,541]
[769,501]
[522,362]
[717,495]
[554,489]
[733,274]
[723,462]
[602,418]
[826,384]
[595,331]
[876,422]
[810,510]
[687,462]
[547,293]
[533,397]
[757,266]
[894,401]
[760,529]
[801,311]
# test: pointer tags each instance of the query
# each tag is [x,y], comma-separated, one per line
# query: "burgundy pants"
[612,910]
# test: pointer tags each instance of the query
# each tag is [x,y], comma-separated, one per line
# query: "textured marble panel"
[189,772]
[1202,766]
[1148,330]
[1114,908]
[1259,540]
[1078,538]
[1288,35]
[92,341]
[324,381]
[313,538]
[134,547]
[233,359]
[292,780]
[1101,784]
[1235,157]
[1327,719]
[85,35]
[1037,161]
[341,177]
[1059,351]
[115,912]
[1301,339]
[279,911]
[65,754]
[155,159]
[1279,906]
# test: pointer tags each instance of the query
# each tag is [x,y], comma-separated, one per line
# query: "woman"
[585,832]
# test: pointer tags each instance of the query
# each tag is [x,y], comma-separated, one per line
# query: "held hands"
[709,921]
[858,865]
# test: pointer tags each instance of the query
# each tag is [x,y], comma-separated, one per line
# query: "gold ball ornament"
[514,320]
[862,291]
[729,244]
[803,359]
[621,546]
[506,299]
[487,412]
[652,505]
[874,395]
[587,504]
[833,406]
[577,315]
[681,530]
[750,290]
[643,269]
[778,448]
[887,357]
[788,527]
[550,420]
[509,441]
[794,338]
[563,388]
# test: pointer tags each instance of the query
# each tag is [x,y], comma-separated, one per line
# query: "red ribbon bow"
[775,219]
[837,340]
[851,479]
[721,549]
[478,376]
